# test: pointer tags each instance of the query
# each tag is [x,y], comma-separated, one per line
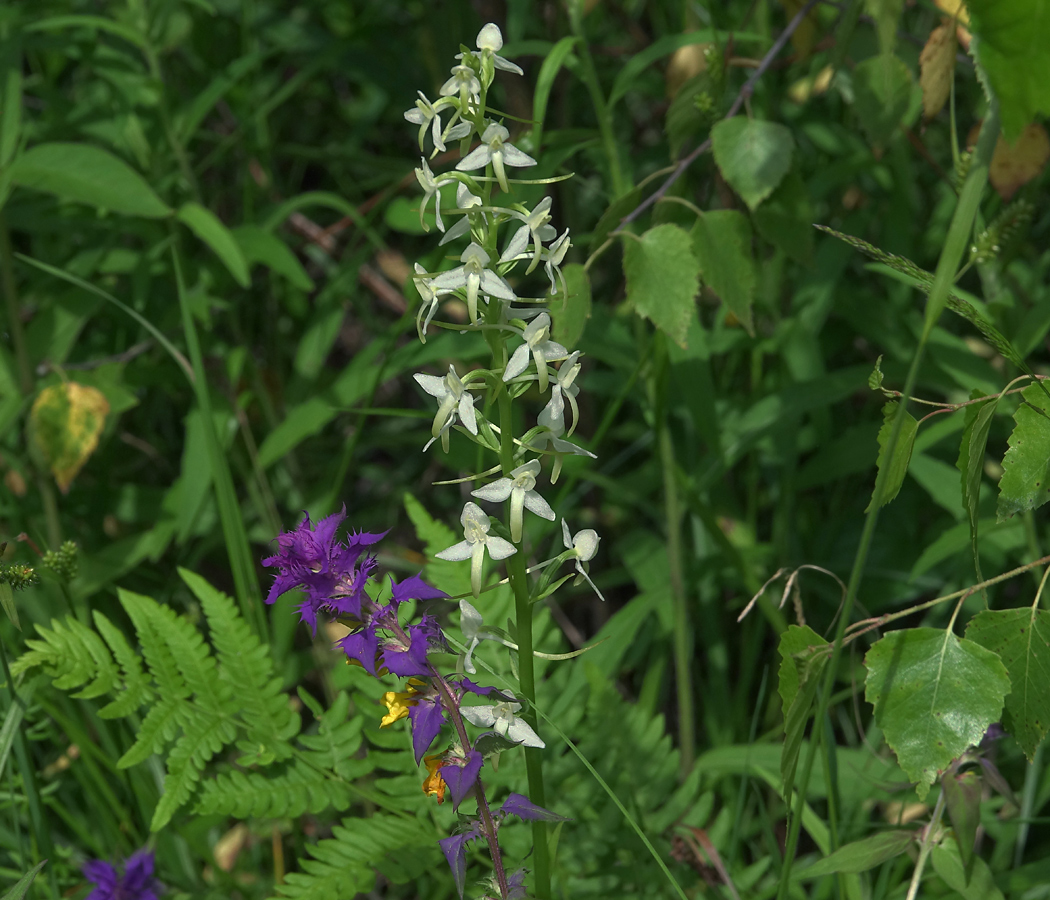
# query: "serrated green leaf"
[208,227]
[1025,483]
[753,156]
[785,218]
[803,657]
[1013,49]
[87,174]
[860,855]
[898,465]
[571,309]
[1021,638]
[722,243]
[663,278]
[934,696]
[962,799]
[882,88]
[876,376]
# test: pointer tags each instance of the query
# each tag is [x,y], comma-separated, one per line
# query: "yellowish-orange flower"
[434,783]
[399,702]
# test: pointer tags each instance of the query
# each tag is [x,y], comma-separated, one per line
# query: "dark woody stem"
[488,825]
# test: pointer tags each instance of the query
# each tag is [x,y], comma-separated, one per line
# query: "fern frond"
[345,864]
[296,791]
[72,655]
[337,741]
[159,658]
[158,729]
[195,663]
[136,683]
[247,667]
[204,735]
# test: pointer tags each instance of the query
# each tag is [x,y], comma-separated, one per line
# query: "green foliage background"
[209,215]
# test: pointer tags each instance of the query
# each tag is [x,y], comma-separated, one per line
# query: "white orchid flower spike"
[521,489]
[476,540]
[501,718]
[584,546]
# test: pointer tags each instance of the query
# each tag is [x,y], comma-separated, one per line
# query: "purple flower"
[415,588]
[427,716]
[363,646]
[467,685]
[411,659]
[137,882]
[332,574]
[522,807]
[461,775]
[455,849]
[516,885]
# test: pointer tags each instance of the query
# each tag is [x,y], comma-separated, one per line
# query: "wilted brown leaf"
[936,66]
[1016,164]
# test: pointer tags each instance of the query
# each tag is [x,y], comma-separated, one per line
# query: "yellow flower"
[434,783]
[399,702]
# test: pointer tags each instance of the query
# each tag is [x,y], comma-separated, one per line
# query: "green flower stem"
[523,619]
[927,842]
[955,245]
[589,76]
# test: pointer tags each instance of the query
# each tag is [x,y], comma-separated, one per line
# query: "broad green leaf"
[971,464]
[663,278]
[860,855]
[785,219]
[882,89]
[898,466]
[1021,637]
[571,309]
[21,887]
[261,246]
[1013,49]
[974,883]
[934,696]
[887,15]
[87,174]
[64,427]
[10,99]
[752,155]
[803,657]
[207,226]
[560,55]
[962,798]
[1026,466]
[722,243]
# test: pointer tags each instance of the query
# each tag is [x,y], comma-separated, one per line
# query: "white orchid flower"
[584,545]
[431,188]
[553,258]
[473,276]
[476,540]
[552,416]
[490,42]
[470,623]
[495,149]
[501,718]
[465,199]
[465,83]
[535,227]
[539,346]
[454,401]
[521,489]
[429,301]
[426,113]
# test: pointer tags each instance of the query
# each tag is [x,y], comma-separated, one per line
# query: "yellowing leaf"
[936,66]
[954,8]
[64,427]
[805,35]
[1016,164]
